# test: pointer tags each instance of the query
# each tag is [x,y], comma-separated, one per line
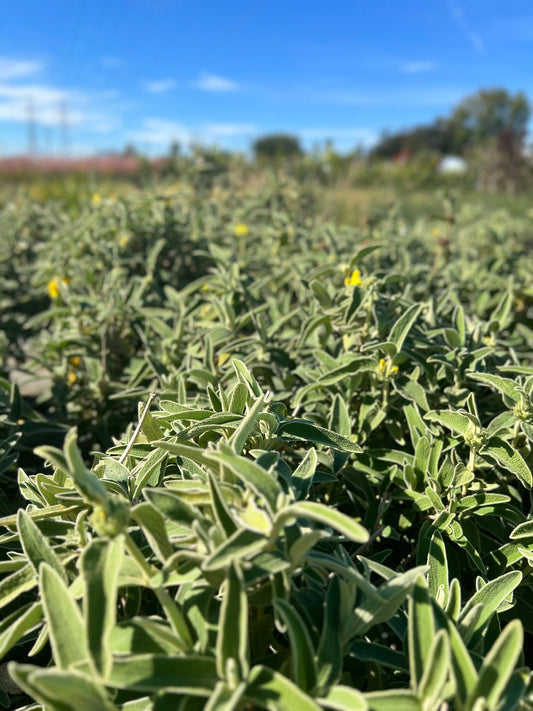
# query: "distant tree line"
[486,116]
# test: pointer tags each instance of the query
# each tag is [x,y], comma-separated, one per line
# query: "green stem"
[472,460]
[385,394]
[173,612]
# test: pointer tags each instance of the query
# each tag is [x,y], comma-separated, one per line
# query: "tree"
[433,138]
[488,115]
[277,145]
[479,120]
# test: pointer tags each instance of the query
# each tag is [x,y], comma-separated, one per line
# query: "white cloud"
[418,67]
[362,136]
[437,97]
[213,82]
[216,130]
[15,68]
[160,132]
[53,107]
[160,86]
[459,18]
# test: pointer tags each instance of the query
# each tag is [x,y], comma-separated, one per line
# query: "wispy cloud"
[418,67]
[160,86]
[459,18]
[345,136]
[112,62]
[432,98]
[160,132]
[50,106]
[22,99]
[213,82]
[16,68]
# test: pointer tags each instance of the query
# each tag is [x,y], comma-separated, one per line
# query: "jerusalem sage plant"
[188,575]
[329,507]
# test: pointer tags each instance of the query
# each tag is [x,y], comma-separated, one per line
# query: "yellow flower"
[54,286]
[354,280]
[222,358]
[241,230]
[124,241]
[71,378]
[435,232]
[75,361]
[96,198]
[385,369]
[53,289]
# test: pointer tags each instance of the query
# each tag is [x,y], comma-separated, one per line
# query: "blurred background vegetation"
[479,150]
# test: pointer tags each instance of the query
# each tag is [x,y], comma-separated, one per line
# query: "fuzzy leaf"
[63,616]
[304,668]
[509,458]
[271,690]
[232,636]
[403,325]
[100,565]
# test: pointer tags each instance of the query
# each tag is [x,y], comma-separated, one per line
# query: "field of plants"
[254,459]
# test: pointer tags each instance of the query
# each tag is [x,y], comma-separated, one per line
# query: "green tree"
[432,138]
[487,115]
[276,146]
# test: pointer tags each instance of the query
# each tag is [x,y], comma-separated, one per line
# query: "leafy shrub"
[327,502]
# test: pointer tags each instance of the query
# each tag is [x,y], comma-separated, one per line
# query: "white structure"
[452,164]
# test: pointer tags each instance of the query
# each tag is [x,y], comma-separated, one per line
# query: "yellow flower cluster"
[241,230]
[54,286]
[354,279]
[96,199]
[385,369]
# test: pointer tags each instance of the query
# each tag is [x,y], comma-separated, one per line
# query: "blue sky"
[99,74]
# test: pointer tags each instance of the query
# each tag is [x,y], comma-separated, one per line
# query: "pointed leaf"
[463,668]
[499,665]
[329,655]
[509,458]
[66,690]
[247,425]
[271,690]
[436,671]
[328,516]
[344,698]
[36,546]
[304,670]
[403,325]
[302,476]
[309,432]
[393,700]
[232,636]
[490,597]
[438,566]
[191,674]
[63,616]
[421,630]
[100,565]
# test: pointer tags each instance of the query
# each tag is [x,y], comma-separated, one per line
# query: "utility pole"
[63,120]
[32,134]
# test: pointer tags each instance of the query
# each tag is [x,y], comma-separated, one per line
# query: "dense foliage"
[322,500]
[475,121]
